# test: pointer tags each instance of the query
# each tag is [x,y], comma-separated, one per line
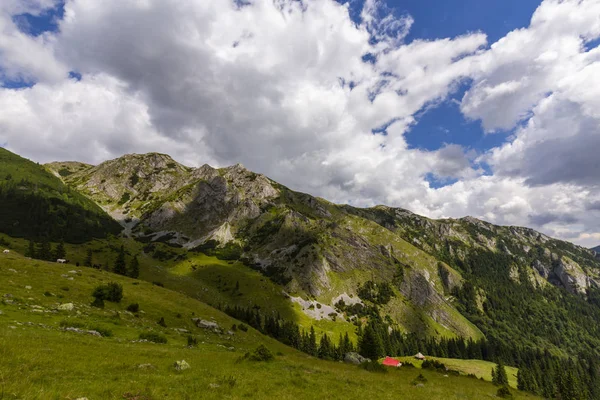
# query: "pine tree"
[311,347]
[60,252]
[44,251]
[134,268]
[88,258]
[499,376]
[325,347]
[120,266]
[370,344]
[31,250]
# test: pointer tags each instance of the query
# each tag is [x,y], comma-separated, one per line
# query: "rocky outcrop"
[355,358]
[571,275]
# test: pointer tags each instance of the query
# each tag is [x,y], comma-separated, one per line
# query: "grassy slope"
[479,368]
[43,362]
[212,282]
[35,183]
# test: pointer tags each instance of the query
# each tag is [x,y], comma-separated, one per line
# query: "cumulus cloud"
[301,92]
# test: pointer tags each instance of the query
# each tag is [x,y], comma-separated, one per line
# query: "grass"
[38,360]
[481,369]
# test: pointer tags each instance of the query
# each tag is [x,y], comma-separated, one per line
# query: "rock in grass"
[148,366]
[354,358]
[181,365]
[66,307]
[202,323]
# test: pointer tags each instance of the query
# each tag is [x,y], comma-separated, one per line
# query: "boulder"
[204,324]
[66,307]
[354,358]
[181,365]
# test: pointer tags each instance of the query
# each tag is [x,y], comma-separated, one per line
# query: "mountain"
[394,282]
[36,204]
[596,249]
[444,277]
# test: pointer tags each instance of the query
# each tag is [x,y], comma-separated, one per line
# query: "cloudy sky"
[444,107]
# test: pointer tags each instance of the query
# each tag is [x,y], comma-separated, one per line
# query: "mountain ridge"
[319,250]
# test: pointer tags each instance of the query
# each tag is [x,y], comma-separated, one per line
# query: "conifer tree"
[311,348]
[134,268]
[325,347]
[120,266]
[30,250]
[88,258]
[499,376]
[60,252]
[370,344]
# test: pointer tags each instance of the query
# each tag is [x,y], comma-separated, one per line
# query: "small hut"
[419,356]
[390,362]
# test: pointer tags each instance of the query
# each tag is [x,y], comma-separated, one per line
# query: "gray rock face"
[542,269]
[354,358]
[571,275]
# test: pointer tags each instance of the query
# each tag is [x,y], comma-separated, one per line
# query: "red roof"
[390,362]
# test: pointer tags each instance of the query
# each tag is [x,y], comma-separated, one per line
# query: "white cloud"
[282,87]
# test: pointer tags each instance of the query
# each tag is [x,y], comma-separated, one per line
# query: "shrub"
[433,365]
[243,327]
[105,332]
[228,381]
[419,379]
[70,324]
[98,303]
[504,393]
[153,337]
[261,353]
[111,292]
[134,307]
[156,283]
[48,294]
[192,341]
[374,366]
[162,322]
[234,328]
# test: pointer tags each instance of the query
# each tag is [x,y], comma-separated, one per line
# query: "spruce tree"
[370,344]
[31,250]
[60,252]
[134,268]
[44,251]
[311,347]
[325,347]
[88,258]
[120,266]
[499,376]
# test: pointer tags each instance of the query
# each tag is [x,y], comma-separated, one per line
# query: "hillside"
[47,350]
[37,205]
[454,288]
[445,278]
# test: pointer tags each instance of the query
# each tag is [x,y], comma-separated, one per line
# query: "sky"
[447,108]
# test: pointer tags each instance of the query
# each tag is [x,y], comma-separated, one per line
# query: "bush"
[157,283]
[192,341]
[70,324]
[98,303]
[105,332]
[153,337]
[162,322]
[419,379]
[243,327]
[134,307]
[111,292]
[374,366]
[433,365]
[504,393]
[261,353]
